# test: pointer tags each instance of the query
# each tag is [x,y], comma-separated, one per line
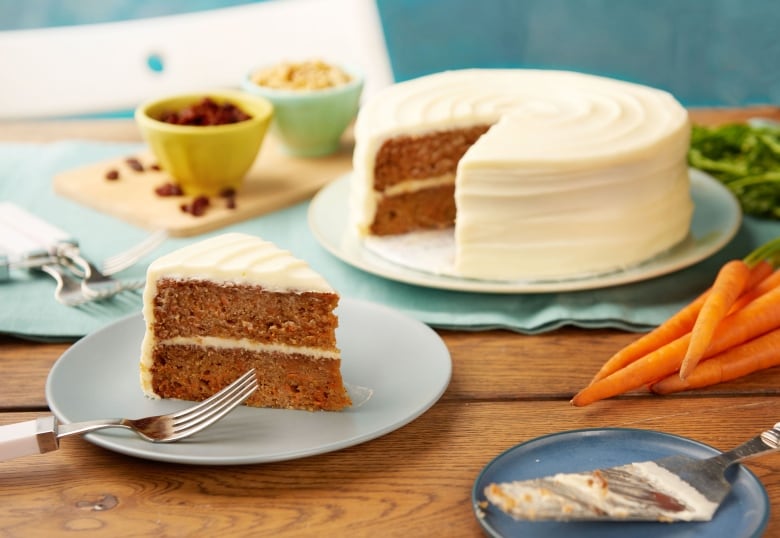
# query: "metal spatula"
[676,488]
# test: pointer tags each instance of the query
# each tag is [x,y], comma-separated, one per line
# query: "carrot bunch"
[729,331]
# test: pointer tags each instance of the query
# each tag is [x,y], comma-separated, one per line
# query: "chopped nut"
[307,75]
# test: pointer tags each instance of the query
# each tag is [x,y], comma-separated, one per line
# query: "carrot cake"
[217,308]
[543,174]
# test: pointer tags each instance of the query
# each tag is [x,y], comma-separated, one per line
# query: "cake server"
[43,434]
[675,488]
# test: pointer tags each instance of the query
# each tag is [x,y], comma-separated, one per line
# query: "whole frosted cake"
[543,174]
[219,307]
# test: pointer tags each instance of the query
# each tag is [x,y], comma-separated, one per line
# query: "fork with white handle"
[43,434]
[111,265]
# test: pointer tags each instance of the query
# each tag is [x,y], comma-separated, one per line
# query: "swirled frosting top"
[538,116]
[238,258]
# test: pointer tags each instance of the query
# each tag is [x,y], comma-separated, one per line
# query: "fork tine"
[205,404]
[187,424]
[185,429]
[68,290]
[123,260]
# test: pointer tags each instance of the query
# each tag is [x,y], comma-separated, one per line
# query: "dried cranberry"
[169,189]
[197,207]
[135,164]
[206,112]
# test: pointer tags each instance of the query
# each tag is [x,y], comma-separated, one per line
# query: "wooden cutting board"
[275,181]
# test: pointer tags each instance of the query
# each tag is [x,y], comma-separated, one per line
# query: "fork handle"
[25,438]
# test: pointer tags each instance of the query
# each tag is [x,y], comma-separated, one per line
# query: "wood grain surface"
[506,388]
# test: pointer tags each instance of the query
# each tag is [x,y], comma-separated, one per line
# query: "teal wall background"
[706,52]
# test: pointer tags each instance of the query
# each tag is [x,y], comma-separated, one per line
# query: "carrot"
[677,325]
[671,329]
[759,272]
[771,281]
[756,318]
[757,354]
[728,286]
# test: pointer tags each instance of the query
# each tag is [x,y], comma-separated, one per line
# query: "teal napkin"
[28,309]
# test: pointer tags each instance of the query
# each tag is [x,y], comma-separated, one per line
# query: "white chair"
[99,69]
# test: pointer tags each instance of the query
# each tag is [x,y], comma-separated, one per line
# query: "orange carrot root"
[673,328]
[729,284]
[754,355]
[649,369]
[682,322]
[760,288]
[756,318]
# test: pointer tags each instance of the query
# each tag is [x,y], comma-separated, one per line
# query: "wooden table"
[506,388]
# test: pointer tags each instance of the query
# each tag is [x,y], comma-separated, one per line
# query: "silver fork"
[122,260]
[43,434]
[68,290]
[100,285]
[94,283]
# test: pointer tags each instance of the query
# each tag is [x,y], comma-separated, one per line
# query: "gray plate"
[403,361]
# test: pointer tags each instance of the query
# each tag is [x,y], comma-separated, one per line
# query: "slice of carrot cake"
[219,307]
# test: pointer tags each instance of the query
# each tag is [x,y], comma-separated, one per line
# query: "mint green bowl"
[309,123]
[205,160]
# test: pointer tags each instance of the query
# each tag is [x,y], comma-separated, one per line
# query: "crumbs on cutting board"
[145,195]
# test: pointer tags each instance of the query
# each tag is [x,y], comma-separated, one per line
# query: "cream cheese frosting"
[239,258]
[228,258]
[577,174]
[614,493]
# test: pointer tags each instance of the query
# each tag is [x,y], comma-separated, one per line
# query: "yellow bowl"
[205,160]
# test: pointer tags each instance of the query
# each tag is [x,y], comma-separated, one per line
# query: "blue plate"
[744,513]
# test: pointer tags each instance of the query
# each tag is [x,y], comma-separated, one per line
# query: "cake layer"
[423,209]
[195,307]
[287,380]
[431,155]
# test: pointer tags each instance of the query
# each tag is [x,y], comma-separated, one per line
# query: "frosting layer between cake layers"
[577,174]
